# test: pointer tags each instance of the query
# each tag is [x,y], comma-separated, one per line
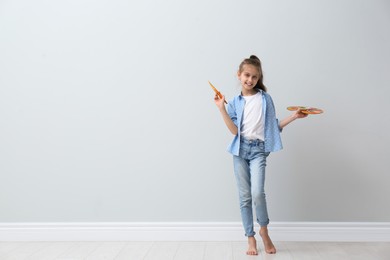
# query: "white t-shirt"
[253,119]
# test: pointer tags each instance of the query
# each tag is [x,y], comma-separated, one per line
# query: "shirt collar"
[259,91]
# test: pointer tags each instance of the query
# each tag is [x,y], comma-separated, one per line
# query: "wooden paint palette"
[306,110]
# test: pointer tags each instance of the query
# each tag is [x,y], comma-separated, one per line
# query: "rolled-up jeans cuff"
[263,224]
[250,234]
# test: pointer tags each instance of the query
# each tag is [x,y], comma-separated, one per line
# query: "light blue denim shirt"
[272,139]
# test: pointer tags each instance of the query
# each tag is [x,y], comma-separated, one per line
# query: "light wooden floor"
[190,250]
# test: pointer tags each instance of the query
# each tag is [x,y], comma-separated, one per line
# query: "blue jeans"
[249,169]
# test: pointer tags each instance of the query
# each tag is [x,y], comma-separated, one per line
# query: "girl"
[251,117]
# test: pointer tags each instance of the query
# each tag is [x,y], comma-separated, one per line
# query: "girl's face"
[248,76]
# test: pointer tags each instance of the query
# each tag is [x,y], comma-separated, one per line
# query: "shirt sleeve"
[274,110]
[278,123]
[231,110]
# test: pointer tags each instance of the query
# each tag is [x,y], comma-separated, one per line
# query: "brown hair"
[254,61]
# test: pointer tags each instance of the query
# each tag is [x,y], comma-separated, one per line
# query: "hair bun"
[254,57]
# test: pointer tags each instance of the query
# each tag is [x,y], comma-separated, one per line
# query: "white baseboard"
[192,231]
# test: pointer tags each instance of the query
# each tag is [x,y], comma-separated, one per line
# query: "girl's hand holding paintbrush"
[220,101]
[218,98]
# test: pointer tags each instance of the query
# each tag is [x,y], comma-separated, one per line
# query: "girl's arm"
[226,118]
[298,114]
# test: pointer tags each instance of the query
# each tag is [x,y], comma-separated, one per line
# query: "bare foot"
[268,245]
[252,249]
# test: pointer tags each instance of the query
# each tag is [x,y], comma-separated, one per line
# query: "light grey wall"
[106,114]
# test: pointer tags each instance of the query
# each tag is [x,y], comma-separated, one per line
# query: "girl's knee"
[258,198]
[246,201]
